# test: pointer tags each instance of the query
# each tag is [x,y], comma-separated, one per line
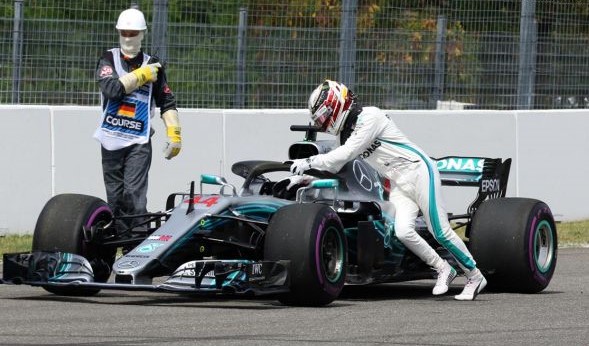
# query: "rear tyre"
[60,228]
[514,242]
[311,237]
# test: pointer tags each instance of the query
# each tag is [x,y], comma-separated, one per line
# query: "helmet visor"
[322,115]
[129,33]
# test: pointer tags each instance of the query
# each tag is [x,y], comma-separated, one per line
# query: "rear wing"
[490,175]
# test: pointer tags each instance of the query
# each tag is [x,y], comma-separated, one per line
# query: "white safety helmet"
[131,19]
[330,105]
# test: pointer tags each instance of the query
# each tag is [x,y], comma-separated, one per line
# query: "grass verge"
[574,233]
[570,234]
[15,243]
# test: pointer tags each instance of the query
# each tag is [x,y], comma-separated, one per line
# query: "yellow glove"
[147,73]
[174,143]
[139,77]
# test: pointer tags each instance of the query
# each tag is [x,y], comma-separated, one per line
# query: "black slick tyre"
[514,242]
[311,237]
[60,228]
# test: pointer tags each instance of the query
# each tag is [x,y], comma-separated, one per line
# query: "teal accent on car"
[235,276]
[460,165]
[210,179]
[325,184]
[64,267]
[386,228]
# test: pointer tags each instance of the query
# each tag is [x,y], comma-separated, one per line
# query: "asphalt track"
[392,314]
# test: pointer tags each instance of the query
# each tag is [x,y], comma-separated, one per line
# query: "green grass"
[569,234]
[573,233]
[15,243]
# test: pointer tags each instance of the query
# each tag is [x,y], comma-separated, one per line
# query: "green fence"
[396,54]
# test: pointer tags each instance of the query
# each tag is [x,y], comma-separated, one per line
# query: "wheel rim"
[543,246]
[332,254]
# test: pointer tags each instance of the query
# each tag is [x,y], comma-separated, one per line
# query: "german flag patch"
[127,109]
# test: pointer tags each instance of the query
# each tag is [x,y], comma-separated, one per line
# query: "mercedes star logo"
[361,176]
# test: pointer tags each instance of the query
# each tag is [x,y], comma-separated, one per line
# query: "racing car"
[300,241]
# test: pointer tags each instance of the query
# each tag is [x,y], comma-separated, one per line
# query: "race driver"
[415,181]
[132,83]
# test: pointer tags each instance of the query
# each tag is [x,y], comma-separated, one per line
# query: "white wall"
[50,150]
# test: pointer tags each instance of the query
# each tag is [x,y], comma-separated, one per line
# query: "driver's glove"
[299,166]
[288,187]
[299,180]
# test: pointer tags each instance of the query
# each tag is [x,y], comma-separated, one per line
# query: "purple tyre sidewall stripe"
[320,231]
[95,214]
[92,219]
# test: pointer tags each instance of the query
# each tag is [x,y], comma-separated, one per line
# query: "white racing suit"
[415,184]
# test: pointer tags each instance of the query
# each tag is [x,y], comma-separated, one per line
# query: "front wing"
[231,277]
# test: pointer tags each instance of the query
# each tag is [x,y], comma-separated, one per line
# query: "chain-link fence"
[397,54]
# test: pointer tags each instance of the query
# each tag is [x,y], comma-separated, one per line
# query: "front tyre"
[514,241]
[60,228]
[311,237]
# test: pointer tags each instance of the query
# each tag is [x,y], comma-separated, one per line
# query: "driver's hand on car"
[287,187]
[300,180]
[299,166]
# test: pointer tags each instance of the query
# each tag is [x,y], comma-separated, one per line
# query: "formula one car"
[301,241]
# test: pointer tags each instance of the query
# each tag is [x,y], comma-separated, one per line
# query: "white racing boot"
[445,276]
[475,283]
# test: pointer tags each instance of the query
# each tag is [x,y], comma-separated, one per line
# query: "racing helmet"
[330,105]
[131,19]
